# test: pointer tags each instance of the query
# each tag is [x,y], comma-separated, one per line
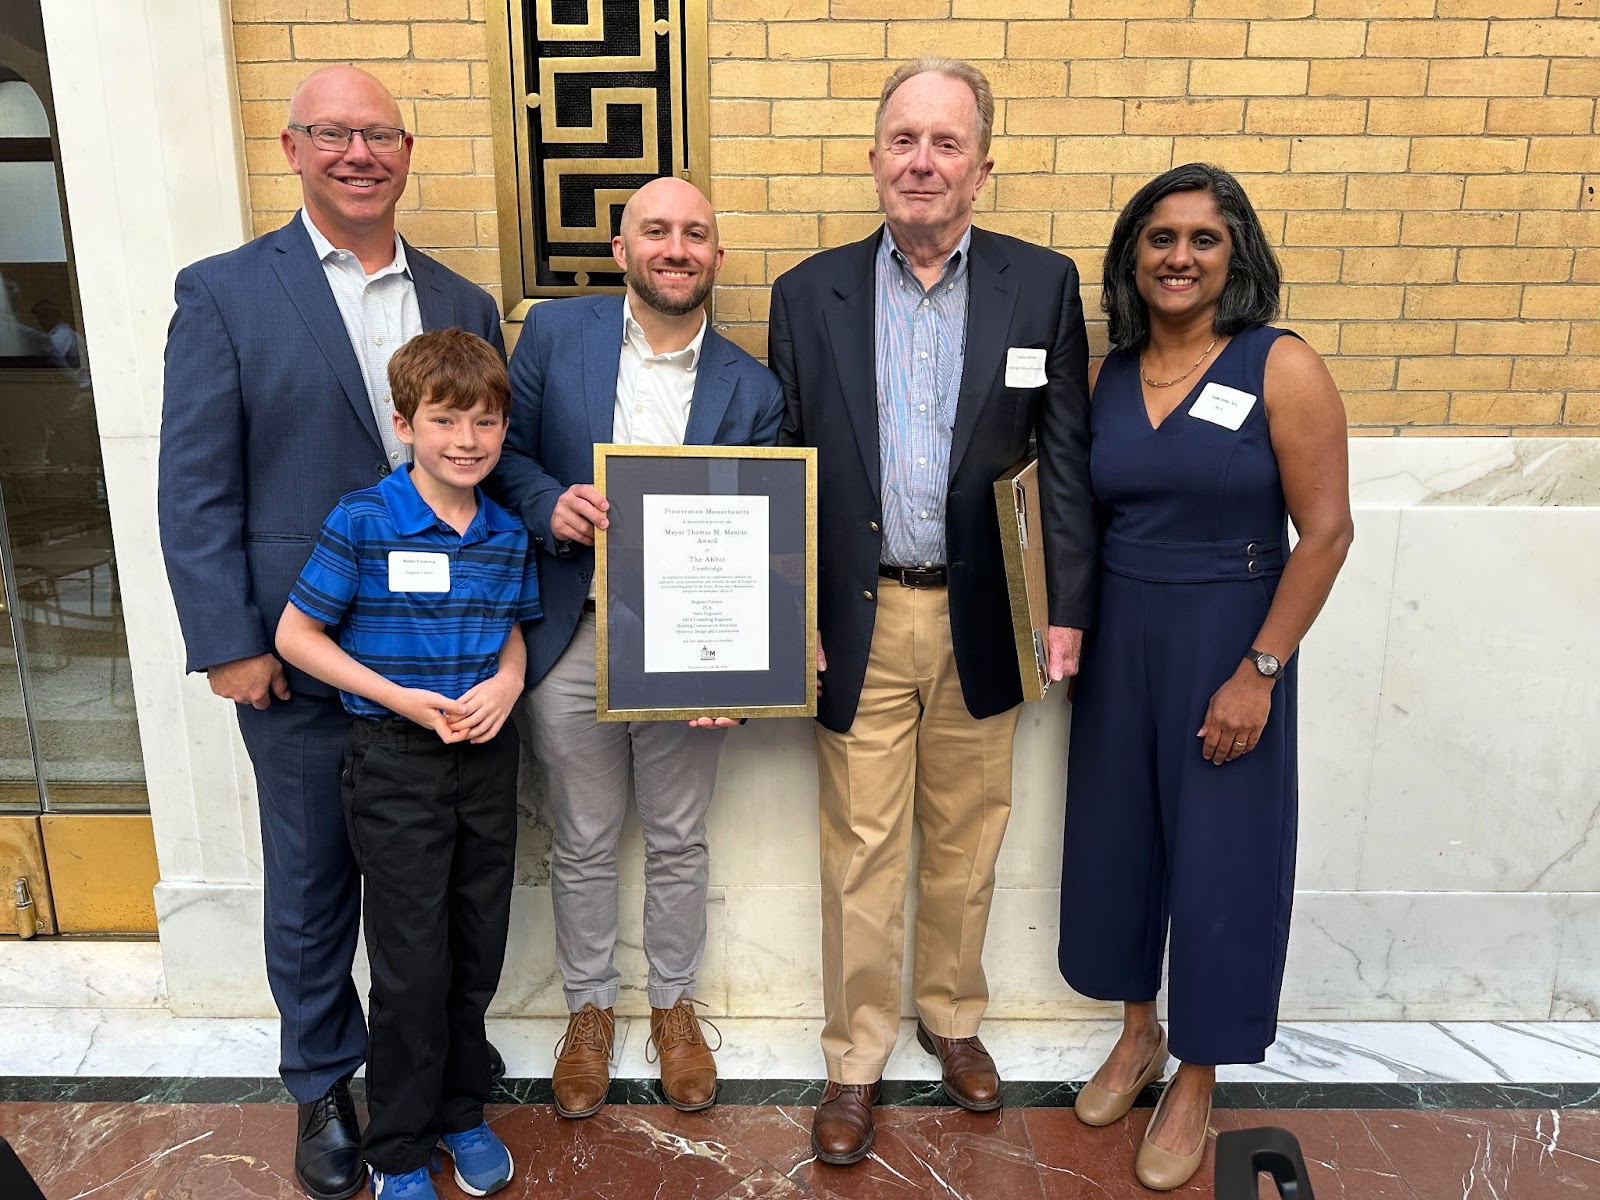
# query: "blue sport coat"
[265,423]
[563,393]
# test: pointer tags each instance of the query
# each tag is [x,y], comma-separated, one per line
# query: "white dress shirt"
[380,314]
[653,390]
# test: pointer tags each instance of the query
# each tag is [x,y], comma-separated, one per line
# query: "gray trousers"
[592,769]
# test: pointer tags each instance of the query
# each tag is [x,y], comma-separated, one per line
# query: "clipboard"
[1016,497]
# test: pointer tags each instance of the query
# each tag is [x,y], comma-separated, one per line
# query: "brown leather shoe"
[970,1078]
[688,1071]
[583,1062]
[841,1129]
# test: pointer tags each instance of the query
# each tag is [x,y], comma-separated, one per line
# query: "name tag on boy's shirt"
[416,571]
[1223,405]
[1024,367]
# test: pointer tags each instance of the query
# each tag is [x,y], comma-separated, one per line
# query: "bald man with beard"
[645,369]
[276,404]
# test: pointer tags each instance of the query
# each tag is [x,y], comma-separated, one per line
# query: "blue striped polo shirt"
[444,641]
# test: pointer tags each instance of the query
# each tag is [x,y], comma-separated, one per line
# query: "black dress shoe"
[497,1066]
[327,1157]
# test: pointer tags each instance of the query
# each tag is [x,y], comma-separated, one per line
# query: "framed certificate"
[1016,496]
[705,582]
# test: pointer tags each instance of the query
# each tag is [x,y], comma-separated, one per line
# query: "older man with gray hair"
[921,362]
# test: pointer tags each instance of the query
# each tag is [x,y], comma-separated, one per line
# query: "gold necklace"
[1152,383]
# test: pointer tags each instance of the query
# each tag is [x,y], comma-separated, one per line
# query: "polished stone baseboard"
[901,1093]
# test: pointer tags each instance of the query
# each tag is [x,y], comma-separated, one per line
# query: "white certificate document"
[705,583]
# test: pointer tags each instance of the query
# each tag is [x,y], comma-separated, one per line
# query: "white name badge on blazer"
[1223,405]
[1024,367]
[415,571]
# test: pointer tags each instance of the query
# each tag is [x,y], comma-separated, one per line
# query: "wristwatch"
[1266,664]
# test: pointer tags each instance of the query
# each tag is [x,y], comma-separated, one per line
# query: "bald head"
[335,89]
[349,186]
[667,249]
[668,199]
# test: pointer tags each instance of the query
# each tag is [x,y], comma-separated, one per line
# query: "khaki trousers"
[914,751]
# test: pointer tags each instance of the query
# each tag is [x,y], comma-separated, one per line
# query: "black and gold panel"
[592,100]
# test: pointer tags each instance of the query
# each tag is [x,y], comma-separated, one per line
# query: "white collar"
[633,332]
[324,247]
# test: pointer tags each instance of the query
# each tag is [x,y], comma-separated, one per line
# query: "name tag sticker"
[414,571]
[1024,367]
[1223,406]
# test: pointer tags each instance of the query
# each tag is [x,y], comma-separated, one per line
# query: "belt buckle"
[919,577]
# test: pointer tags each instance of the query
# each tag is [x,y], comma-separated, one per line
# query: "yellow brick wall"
[433,55]
[1429,170]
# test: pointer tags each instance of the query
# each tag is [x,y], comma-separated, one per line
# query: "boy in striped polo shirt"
[422,582]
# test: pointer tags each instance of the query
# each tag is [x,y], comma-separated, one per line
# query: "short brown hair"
[450,367]
[953,68]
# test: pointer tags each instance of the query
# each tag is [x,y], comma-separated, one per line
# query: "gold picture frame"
[623,474]
[1016,498]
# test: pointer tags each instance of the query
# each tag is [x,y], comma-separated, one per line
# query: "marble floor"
[112,1097]
[634,1152]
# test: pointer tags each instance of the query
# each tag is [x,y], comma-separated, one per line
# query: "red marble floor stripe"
[242,1152]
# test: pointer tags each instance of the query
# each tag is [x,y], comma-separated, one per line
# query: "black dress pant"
[434,831]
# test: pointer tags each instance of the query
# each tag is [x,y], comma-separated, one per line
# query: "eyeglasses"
[380,139]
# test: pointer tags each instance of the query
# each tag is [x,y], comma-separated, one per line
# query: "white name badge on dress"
[414,571]
[1024,367]
[1223,405]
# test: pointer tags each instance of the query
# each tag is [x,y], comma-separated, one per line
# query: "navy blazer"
[563,396]
[265,423]
[822,346]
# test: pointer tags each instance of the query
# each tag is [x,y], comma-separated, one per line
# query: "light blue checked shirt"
[921,343]
[380,314]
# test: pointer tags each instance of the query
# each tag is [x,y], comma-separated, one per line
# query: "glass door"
[75,842]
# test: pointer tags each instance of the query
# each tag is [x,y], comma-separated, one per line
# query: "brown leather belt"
[914,577]
[589,606]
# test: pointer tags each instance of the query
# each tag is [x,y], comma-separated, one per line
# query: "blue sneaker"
[483,1164]
[412,1185]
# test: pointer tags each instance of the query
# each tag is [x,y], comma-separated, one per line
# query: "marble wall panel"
[61,973]
[1030,856]
[1487,761]
[1341,666]
[1479,472]
[763,820]
[1352,956]
[211,948]
[1409,956]
[1577,989]
[774,951]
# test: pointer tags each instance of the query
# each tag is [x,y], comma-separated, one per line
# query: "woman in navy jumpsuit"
[1210,430]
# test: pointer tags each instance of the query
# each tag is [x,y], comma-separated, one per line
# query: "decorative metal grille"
[592,100]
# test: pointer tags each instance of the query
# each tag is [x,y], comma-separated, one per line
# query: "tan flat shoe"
[1096,1105]
[1161,1170]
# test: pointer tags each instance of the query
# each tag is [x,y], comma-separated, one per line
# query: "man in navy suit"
[276,404]
[644,368]
[920,362]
